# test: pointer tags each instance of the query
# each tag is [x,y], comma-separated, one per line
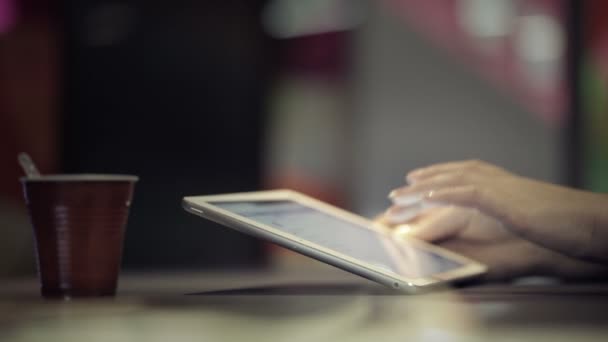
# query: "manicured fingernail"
[406,200]
[401,216]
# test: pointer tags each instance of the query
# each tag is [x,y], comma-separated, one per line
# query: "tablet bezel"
[202,206]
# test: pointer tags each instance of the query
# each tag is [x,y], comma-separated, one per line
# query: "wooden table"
[302,304]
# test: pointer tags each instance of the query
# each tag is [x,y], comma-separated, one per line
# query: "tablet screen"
[346,237]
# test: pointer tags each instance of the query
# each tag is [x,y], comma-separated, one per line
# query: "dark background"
[175,95]
[182,94]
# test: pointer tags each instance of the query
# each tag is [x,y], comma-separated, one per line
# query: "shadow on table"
[338,289]
[280,301]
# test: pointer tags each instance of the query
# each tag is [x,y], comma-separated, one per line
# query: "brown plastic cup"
[79,223]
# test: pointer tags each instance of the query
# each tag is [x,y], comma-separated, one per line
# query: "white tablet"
[336,237]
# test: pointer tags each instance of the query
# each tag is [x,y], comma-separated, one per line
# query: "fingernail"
[392,194]
[406,200]
[401,216]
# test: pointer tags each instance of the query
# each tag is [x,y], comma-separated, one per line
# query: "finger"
[403,214]
[462,167]
[472,197]
[382,219]
[411,192]
[463,195]
[432,170]
[405,200]
[442,225]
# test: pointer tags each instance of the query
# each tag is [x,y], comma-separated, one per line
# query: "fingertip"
[402,230]
[406,230]
[392,194]
[410,178]
[417,231]
[397,192]
[406,200]
[415,172]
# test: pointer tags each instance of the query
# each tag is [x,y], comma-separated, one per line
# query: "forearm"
[574,223]
[577,270]
[598,231]
[547,262]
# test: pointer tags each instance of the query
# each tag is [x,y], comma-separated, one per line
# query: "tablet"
[336,237]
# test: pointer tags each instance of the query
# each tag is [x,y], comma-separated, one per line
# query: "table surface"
[302,304]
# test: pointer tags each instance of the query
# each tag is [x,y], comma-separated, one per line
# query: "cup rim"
[81,177]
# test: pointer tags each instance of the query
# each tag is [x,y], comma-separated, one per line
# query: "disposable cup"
[79,223]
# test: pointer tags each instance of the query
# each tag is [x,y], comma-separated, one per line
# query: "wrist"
[542,262]
[597,217]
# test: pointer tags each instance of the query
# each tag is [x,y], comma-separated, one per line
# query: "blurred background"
[334,98]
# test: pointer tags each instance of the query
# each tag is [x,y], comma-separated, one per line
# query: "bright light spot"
[487,18]
[293,18]
[540,45]
[402,230]
[540,38]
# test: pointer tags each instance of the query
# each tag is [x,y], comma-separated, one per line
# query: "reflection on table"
[308,303]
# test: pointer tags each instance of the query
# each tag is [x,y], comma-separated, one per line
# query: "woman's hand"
[476,235]
[569,221]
